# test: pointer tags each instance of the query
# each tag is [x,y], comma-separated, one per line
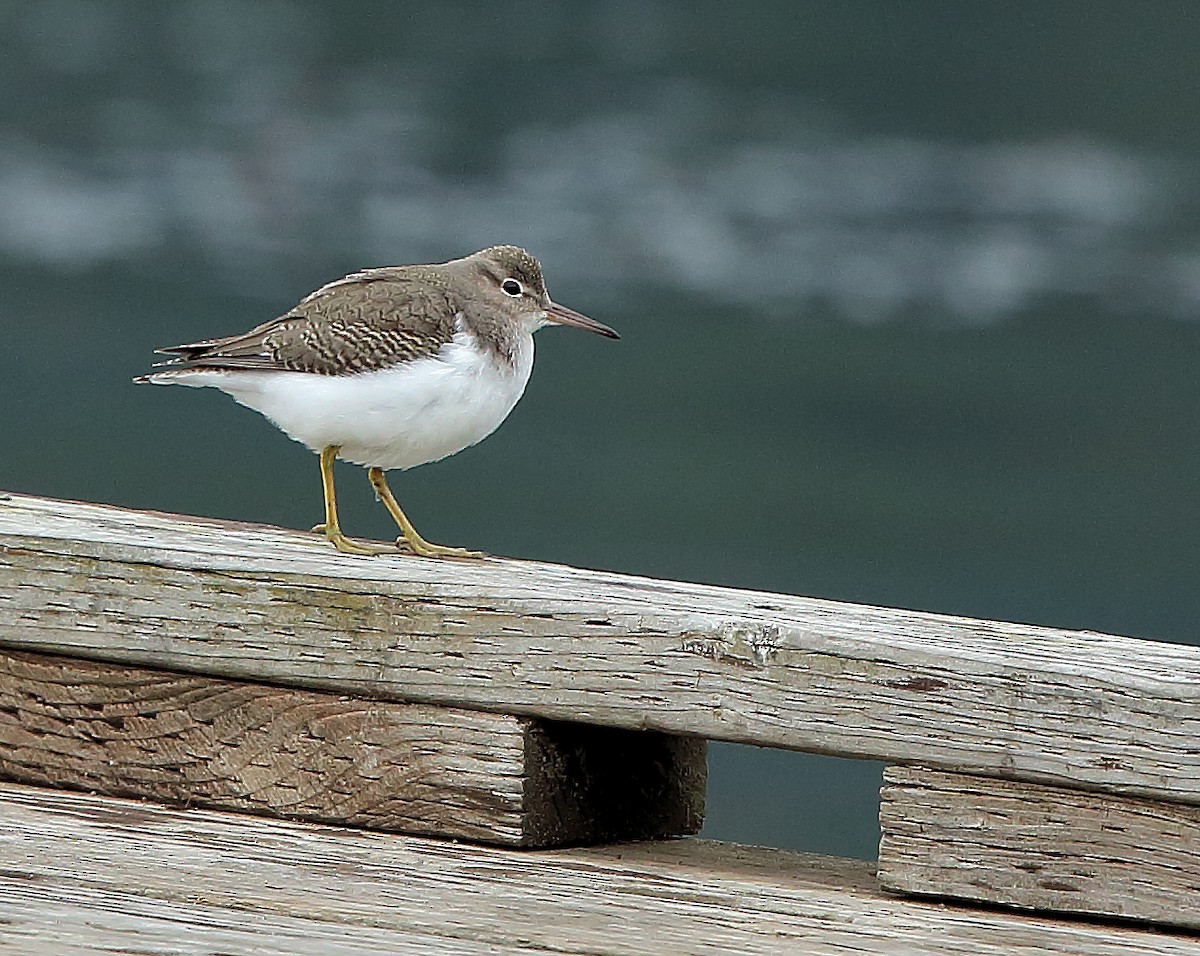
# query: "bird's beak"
[561,315]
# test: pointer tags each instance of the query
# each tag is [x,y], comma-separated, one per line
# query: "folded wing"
[365,322]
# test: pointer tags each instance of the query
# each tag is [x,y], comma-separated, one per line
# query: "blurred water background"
[908,291]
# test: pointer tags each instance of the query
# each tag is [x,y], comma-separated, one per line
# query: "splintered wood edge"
[114,875]
[1043,848]
[247,602]
[411,768]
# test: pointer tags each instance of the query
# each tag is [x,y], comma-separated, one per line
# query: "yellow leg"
[331,528]
[410,537]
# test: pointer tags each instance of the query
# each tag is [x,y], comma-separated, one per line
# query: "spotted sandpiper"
[388,368]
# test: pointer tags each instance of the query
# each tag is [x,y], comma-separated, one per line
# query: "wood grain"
[252,602]
[1042,848]
[412,768]
[84,874]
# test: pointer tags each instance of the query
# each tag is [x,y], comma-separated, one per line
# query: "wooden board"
[1043,848]
[258,603]
[412,768]
[84,874]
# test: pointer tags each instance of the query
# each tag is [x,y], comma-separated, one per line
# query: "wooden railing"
[253,669]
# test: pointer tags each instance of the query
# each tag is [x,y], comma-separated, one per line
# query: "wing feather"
[367,321]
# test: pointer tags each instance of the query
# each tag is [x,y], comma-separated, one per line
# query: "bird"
[388,368]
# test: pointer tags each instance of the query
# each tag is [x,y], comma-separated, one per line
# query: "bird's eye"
[511,287]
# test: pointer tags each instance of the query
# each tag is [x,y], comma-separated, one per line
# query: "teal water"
[907,292]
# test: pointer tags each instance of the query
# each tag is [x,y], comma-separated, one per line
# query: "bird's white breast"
[400,417]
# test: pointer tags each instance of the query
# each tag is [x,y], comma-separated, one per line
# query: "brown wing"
[364,322]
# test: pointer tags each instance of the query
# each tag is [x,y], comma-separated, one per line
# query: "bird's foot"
[425,549]
[350,546]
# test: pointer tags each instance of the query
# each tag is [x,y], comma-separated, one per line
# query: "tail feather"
[183,375]
[191,349]
[153,378]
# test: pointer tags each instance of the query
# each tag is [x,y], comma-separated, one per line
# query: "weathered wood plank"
[1042,848]
[246,885]
[412,768]
[252,602]
[36,920]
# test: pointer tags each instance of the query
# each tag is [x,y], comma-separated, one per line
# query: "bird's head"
[514,279]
